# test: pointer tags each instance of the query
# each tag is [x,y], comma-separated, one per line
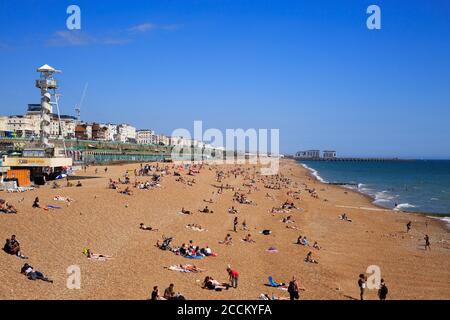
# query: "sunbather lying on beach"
[127,191]
[5,207]
[288,205]
[183,211]
[147,228]
[165,245]
[279,210]
[195,227]
[33,274]
[265,296]
[95,256]
[186,268]
[212,284]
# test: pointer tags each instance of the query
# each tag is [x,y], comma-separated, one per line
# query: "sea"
[421,186]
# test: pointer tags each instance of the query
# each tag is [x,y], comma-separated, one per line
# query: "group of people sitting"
[169,294]
[186,250]
[304,242]
[312,192]
[7,208]
[191,250]
[206,209]
[241,198]
[12,246]
[148,185]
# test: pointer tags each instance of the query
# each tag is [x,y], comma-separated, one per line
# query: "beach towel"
[195,257]
[274,284]
[179,269]
[51,207]
[184,270]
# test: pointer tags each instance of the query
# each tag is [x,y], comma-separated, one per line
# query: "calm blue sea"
[416,186]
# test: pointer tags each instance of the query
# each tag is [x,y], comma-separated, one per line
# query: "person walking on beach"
[293,289]
[383,291]
[362,285]
[234,276]
[427,243]
[408,227]
[235,224]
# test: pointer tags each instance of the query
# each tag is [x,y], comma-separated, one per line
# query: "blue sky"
[310,68]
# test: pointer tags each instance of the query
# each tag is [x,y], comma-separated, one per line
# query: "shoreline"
[443,217]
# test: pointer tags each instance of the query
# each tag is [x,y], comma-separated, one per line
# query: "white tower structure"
[48,86]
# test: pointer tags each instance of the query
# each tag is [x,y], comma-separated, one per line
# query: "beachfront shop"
[25,171]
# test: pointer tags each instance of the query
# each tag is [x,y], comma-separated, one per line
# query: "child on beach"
[362,285]
[383,291]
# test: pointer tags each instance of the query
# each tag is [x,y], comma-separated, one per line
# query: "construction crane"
[78,107]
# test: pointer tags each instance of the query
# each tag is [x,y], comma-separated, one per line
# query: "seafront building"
[146,136]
